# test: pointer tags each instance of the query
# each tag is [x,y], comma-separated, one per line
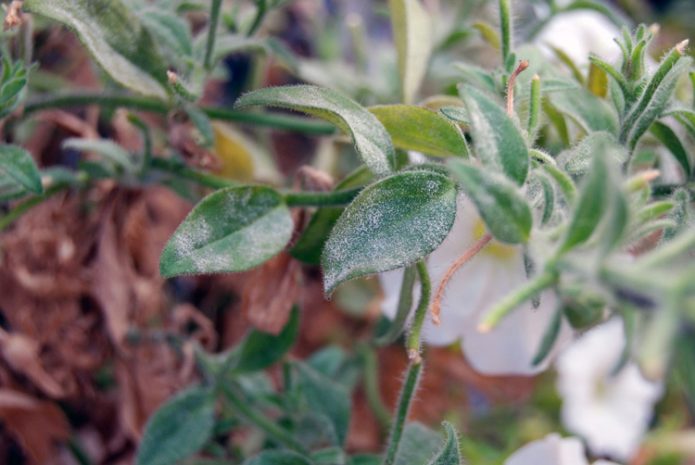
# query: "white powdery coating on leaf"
[230,230]
[390,224]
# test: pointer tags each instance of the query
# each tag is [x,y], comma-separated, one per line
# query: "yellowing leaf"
[240,157]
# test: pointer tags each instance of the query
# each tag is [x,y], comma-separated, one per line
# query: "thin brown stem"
[523,64]
[467,256]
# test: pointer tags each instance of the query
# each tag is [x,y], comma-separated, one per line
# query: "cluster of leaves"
[562,172]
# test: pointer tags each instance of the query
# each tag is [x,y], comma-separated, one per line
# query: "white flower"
[578,33]
[611,411]
[498,269]
[552,450]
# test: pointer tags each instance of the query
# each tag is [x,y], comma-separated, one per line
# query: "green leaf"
[18,164]
[498,141]
[179,428]
[260,350]
[586,110]
[577,160]
[371,139]
[684,365]
[502,207]
[418,444]
[449,454]
[412,34]
[115,37]
[171,30]
[390,224]
[417,128]
[329,456]
[278,457]
[670,139]
[591,204]
[107,148]
[202,123]
[326,397]
[232,229]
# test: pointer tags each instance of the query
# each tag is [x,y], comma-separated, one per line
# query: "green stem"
[258,20]
[505,29]
[413,343]
[321,199]
[371,387]
[513,300]
[212,32]
[269,120]
[412,377]
[255,417]
[405,304]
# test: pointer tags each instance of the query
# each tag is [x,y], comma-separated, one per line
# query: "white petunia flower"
[497,270]
[552,450]
[611,411]
[578,33]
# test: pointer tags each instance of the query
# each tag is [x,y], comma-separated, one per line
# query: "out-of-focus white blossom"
[579,33]
[497,270]
[611,411]
[552,450]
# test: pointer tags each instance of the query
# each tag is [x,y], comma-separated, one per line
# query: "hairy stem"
[413,343]
[412,377]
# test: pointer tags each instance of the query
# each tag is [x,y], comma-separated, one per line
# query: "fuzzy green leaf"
[672,142]
[179,428]
[417,128]
[586,110]
[260,350]
[497,140]
[412,34]
[591,204]
[371,139]
[232,229]
[18,164]
[418,444]
[502,207]
[326,397]
[107,148]
[115,37]
[449,454]
[390,224]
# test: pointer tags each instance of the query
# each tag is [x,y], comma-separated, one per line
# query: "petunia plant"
[526,203]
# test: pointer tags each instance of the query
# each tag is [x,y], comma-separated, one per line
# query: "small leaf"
[202,123]
[502,207]
[278,457]
[179,428]
[417,445]
[497,140]
[672,142]
[412,34]
[598,81]
[416,128]
[488,33]
[449,454]
[371,139]
[390,224]
[115,37]
[171,30]
[326,397]
[232,229]
[586,110]
[260,350]
[591,203]
[18,164]
[577,160]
